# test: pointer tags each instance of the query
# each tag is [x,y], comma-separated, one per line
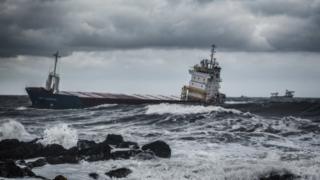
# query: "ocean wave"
[14,130]
[102,106]
[179,109]
[21,108]
[60,134]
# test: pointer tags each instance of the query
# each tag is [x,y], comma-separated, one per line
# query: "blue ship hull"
[42,98]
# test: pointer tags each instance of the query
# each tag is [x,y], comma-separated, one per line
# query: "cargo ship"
[203,88]
[287,97]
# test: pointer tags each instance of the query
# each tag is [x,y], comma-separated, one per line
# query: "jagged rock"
[53,150]
[7,144]
[129,144]
[114,139]
[85,144]
[145,155]
[119,173]
[37,163]
[159,148]
[94,175]
[278,176]
[10,170]
[124,154]
[65,159]
[14,149]
[96,152]
[60,177]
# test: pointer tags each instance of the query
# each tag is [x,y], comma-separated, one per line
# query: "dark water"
[239,141]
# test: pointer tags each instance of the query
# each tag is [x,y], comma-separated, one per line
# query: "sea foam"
[14,130]
[60,134]
[186,109]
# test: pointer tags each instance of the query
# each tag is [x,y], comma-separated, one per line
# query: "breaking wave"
[14,130]
[60,134]
[178,109]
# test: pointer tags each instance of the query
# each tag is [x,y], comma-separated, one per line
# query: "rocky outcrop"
[281,175]
[9,169]
[93,175]
[119,173]
[159,148]
[60,177]
[113,147]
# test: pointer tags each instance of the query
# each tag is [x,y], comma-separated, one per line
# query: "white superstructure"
[205,82]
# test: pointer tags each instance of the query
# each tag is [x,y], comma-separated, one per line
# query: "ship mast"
[213,51]
[56,55]
[52,83]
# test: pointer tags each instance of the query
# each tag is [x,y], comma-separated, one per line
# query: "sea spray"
[186,109]
[60,134]
[12,129]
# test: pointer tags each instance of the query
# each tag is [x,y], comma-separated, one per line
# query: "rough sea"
[235,142]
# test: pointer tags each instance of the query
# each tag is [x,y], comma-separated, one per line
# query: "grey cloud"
[39,27]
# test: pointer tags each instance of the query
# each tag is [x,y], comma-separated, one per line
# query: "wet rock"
[20,150]
[119,173]
[124,154]
[65,159]
[9,144]
[145,156]
[159,148]
[14,149]
[60,177]
[85,144]
[114,139]
[96,152]
[37,163]
[278,176]
[53,150]
[10,170]
[94,175]
[129,144]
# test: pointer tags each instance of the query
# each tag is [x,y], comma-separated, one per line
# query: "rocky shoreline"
[13,154]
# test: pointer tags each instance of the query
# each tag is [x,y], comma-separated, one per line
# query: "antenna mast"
[213,51]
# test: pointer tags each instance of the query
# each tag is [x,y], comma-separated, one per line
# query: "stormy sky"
[147,46]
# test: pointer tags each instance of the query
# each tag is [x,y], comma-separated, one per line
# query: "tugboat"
[203,88]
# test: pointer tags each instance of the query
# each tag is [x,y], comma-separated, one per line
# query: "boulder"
[96,152]
[60,177]
[94,175]
[65,159]
[14,149]
[85,144]
[9,169]
[159,148]
[129,144]
[37,163]
[119,173]
[274,175]
[52,150]
[124,154]
[145,155]
[7,144]
[114,139]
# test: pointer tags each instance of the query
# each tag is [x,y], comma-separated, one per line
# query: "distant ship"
[288,96]
[203,88]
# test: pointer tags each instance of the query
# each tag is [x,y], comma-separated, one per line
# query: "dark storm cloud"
[38,27]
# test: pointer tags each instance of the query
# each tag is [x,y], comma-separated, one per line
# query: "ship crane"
[52,83]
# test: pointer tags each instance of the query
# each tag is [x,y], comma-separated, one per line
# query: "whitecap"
[21,108]
[14,130]
[177,109]
[60,134]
